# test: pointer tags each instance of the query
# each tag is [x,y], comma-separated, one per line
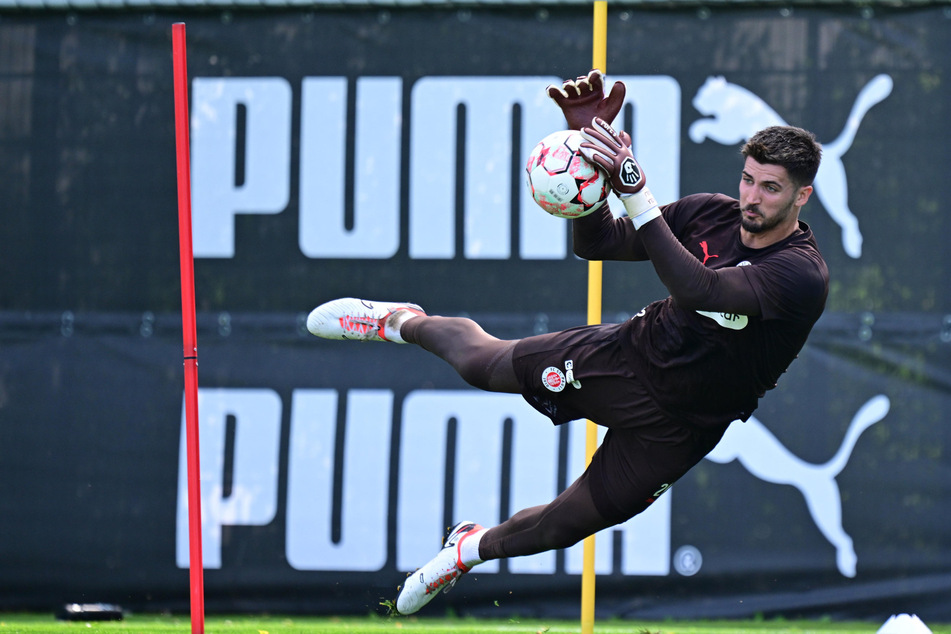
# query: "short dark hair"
[787,146]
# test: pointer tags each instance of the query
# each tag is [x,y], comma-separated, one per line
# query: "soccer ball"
[562,181]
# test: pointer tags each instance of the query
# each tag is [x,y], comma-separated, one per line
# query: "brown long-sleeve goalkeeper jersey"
[736,317]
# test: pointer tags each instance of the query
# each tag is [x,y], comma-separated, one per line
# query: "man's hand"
[611,150]
[583,99]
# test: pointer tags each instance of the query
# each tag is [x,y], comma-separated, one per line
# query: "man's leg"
[562,523]
[568,519]
[480,359]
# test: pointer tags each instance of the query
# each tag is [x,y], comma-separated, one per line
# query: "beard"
[761,224]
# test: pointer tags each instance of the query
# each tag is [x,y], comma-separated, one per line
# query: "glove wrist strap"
[641,207]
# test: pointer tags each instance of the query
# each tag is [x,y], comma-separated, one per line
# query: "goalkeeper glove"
[583,98]
[611,151]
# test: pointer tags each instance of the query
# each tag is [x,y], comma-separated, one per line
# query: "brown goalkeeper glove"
[611,150]
[583,99]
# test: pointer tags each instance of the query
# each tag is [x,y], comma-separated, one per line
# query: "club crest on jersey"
[553,379]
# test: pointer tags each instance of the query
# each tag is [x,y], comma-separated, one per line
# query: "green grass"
[151,624]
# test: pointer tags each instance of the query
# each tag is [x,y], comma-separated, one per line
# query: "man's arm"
[601,236]
[692,285]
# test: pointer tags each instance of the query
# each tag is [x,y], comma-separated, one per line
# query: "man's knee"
[488,366]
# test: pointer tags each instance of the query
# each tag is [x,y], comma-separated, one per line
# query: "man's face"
[769,200]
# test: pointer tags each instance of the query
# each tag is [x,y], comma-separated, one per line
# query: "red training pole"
[189,330]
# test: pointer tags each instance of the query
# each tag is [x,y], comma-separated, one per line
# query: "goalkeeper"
[746,281]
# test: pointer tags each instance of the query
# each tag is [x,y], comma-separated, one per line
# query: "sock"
[394,322]
[469,548]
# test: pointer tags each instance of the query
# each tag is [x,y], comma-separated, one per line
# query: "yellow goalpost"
[599,61]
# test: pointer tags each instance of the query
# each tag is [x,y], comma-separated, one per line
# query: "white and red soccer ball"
[562,181]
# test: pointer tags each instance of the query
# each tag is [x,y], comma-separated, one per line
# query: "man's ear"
[803,197]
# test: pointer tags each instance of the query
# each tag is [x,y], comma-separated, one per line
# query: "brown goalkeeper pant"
[643,453]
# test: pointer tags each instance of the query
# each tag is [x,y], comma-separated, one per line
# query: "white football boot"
[356,319]
[441,573]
